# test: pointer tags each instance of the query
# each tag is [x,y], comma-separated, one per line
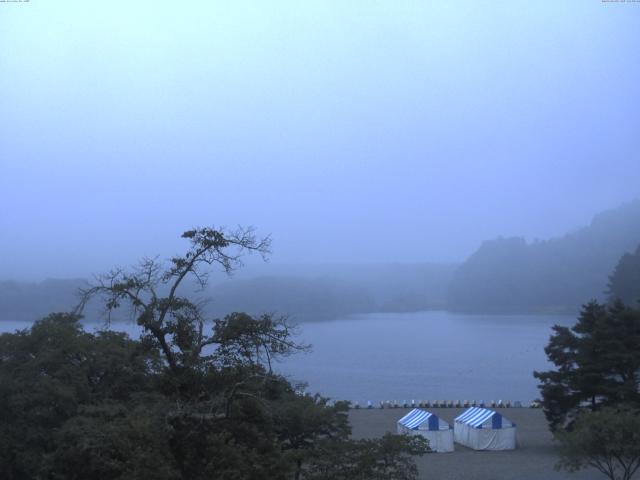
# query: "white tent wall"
[482,429]
[490,439]
[440,441]
[485,438]
[440,436]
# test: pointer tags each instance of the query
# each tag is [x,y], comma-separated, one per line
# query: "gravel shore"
[534,459]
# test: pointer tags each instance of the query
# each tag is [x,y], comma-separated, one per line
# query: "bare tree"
[152,289]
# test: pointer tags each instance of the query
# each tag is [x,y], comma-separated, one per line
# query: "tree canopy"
[191,399]
[597,363]
[607,440]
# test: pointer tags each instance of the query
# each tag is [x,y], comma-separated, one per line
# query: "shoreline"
[444,404]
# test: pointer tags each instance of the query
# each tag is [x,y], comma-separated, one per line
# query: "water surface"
[415,356]
[425,355]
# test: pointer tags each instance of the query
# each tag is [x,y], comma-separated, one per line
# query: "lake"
[416,356]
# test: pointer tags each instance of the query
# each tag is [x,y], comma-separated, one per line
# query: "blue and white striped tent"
[433,428]
[484,429]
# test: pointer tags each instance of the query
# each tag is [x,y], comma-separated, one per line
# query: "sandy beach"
[534,459]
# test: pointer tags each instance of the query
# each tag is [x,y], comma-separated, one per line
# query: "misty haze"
[320,240]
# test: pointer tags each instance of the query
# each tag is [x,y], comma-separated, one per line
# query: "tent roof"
[415,418]
[475,416]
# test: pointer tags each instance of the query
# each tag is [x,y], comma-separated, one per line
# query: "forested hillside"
[304,292]
[557,275]
[503,275]
[32,301]
[624,282]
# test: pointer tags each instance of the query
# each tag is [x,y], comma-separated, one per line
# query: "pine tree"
[624,282]
[597,363]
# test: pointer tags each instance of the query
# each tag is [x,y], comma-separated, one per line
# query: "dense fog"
[319,239]
[352,135]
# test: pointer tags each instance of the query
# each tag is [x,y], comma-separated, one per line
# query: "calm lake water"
[422,356]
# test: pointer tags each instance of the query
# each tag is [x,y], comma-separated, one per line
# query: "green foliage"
[76,405]
[389,458]
[243,339]
[49,374]
[608,440]
[190,400]
[112,442]
[304,423]
[597,363]
[624,282]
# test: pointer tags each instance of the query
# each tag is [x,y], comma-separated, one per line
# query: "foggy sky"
[373,131]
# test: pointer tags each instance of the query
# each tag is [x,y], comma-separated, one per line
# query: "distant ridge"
[554,276]
[31,301]
[304,293]
[505,275]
